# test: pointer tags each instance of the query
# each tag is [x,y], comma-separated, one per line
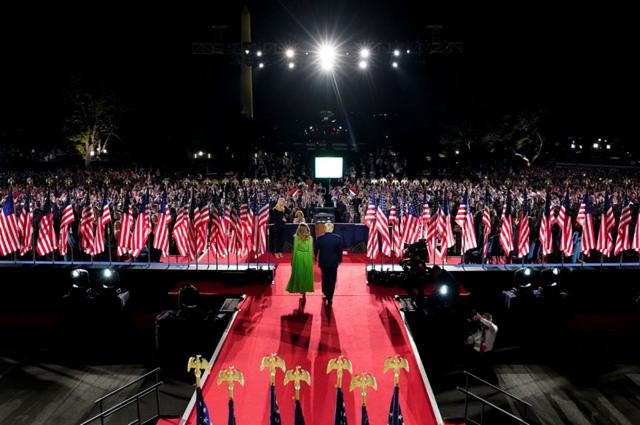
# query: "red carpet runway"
[363,324]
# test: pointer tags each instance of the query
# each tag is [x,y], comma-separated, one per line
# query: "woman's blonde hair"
[303,233]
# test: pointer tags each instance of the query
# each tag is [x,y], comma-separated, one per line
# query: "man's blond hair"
[328,227]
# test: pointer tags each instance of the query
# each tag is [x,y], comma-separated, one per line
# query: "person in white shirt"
[484,338]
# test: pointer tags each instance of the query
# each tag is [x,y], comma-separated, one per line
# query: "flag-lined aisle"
[364,325]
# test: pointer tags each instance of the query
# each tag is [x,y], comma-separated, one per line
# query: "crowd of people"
[286,177]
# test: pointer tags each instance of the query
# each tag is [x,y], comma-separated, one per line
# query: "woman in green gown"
[301,280]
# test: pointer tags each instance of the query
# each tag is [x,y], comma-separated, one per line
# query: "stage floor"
[363,324]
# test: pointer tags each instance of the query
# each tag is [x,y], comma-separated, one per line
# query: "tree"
[92,122]
[520,135]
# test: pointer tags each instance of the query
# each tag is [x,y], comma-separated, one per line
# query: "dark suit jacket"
[328,249]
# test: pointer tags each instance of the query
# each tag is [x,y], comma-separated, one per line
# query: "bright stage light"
[408,51]
[289,53]
[259,53]
[396,53]
[107,273]
[75,274]
[260,65]
[362,64]
[365,53]
[292,65]
[327,57]
[394,64]
[443,290]
[555,271]
[246,52]
[528,272]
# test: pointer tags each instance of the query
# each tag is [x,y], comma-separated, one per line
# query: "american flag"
[246,222]
[394,221]
[46,242]
[126,225]
[411,230]
[622,240]
[486,224]
[142,229]
[506,228]
[9,232]
[236,226]
[566,227]
[607,224]
[229,226]
[274,410]
[395,412]
[26,227]
[426,218]
[524,233]
[182,231]
[464,219]
[545,234]
[103,220]
[340,412]
[86,226]
[382,226]
[445,231]
[161,231]
[431,234]
[635,245]
[202,412]
[585,219]
[218,238]
[67,218]
[370,221]
[260,229]
[202,226]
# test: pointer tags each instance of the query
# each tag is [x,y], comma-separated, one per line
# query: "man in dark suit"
[328,250]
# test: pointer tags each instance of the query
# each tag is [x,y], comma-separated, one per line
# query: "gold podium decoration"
[339,364]
[272,362]
[363,380]
[198,364]
[230,375]
[296,376]
[396,363]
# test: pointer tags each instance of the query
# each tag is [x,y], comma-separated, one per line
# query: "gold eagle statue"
[339,364]
[396,363]
[296,376]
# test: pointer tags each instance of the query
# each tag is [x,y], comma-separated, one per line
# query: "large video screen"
[328,167]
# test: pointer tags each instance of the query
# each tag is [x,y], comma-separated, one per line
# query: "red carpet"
[363,325]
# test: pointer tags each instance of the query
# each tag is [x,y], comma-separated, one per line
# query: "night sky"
[573,63]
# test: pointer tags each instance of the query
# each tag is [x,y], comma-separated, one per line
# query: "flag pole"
[109,241]
[33,245]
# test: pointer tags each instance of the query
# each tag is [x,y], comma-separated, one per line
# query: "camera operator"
[484,337]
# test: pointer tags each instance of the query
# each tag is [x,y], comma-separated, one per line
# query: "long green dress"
[301,279]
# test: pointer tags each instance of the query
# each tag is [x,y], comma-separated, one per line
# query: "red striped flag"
[607,224]
[46,242]
[103,220]
[182,232]
[426,219]
[545,234]
[464,218]
[9,231]
[447,240]
[161,231]
[524,233]
[202,227]
[260,229]
[566,227]
[506,228]
[382,226]
[370,221]
[246,220]
[622,240]
[86,227]
[585,219]
[142,229]
[26,227]
[67,218]
[411,228]
[635,245]
[126,225]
